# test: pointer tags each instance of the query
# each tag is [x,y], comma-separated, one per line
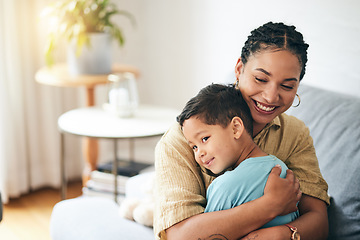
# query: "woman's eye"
[204,139]
[287,87]
[260,80]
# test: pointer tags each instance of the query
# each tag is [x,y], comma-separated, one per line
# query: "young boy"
[217,124]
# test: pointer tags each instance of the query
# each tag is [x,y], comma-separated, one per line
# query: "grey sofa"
[334,122]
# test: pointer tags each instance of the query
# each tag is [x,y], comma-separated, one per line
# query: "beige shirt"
[181,183]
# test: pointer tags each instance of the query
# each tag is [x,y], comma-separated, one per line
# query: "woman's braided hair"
[276,36]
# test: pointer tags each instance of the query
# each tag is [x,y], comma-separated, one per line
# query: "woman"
[268,74]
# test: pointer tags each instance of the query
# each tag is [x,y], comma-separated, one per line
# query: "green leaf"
[78,18]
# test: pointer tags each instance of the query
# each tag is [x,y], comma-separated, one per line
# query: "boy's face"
[215,147]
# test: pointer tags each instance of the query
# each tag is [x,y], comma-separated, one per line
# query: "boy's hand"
[283,193]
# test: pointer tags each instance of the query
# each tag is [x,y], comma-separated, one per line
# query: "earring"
[236,84]
[298,99]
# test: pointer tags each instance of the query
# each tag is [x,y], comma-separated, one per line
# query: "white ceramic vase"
[94,59]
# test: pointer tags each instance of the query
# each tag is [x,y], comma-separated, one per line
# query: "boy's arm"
[239,221]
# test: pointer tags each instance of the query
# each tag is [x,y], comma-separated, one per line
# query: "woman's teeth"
[262,107]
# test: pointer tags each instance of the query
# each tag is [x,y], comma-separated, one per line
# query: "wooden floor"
[28,217]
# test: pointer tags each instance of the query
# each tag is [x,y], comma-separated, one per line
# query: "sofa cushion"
[93,218]
[334,122]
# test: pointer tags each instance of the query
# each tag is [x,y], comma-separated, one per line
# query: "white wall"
[182,45]
[332,28]
[165,47]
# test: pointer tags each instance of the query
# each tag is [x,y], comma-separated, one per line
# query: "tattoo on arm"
[215,237]
[222,237]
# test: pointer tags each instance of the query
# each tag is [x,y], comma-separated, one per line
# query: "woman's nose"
[271,94]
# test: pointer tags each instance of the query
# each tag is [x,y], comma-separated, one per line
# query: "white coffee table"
[95,122]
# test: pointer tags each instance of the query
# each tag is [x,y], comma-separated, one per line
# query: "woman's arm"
[280,198]
[312,224]
[313,221]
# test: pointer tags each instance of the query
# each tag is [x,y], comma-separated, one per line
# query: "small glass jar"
[123,96]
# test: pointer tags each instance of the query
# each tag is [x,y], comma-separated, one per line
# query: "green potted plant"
[84,24]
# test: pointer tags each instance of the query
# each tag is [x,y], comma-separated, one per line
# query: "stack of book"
[102,180]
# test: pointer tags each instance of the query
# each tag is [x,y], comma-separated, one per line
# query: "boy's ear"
[237,127]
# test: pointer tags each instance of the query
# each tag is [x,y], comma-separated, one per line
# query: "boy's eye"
[204,139]
[194,147]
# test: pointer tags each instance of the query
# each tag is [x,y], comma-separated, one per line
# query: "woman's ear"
[237,127]
[238,68]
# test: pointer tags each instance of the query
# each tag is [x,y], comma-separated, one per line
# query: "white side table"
[59,76]
[93,122]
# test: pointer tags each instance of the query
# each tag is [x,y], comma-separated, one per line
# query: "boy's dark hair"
[276,36]
[218,104]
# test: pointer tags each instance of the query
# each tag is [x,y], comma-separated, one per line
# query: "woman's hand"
[283,194]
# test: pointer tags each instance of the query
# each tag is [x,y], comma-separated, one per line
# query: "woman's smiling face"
[268,83]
